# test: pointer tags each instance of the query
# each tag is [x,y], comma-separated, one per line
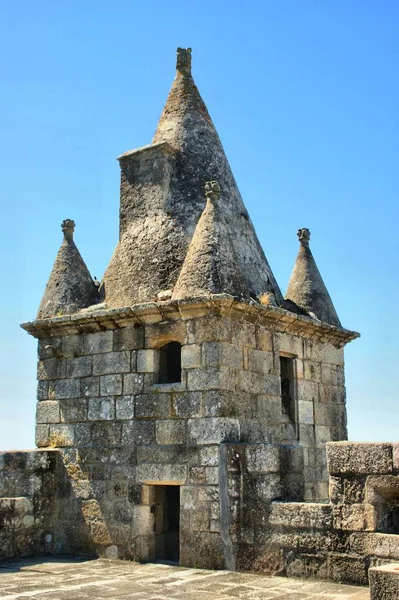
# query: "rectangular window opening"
[288,390]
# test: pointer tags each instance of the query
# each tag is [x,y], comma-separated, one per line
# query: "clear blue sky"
[305,97]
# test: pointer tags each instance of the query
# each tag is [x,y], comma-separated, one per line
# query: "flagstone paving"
[64,579]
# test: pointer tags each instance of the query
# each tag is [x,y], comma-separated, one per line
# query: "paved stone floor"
[84,580]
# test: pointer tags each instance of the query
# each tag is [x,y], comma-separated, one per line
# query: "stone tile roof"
[162,199]
[70,286]
[306,287]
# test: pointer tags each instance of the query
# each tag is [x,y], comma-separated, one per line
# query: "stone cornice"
[276,319]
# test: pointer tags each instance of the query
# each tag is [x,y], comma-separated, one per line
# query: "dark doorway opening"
[170,363]
[167,522]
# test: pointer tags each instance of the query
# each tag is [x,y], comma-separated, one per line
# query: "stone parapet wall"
[340,540]
[28,488]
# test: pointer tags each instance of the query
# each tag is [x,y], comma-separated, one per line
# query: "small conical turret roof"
[211,265]
[162,200]
[306,287]
[70,286]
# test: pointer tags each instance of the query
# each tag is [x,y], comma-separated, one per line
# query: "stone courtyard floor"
[64,579]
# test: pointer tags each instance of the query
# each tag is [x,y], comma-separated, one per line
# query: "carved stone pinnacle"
[212,190]
[183,60]
[304,236]
[68,227]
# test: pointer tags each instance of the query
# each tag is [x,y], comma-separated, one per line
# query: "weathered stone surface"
[128,338]
[263,458]
[64,388]
[384,582]
[138,432]
[113,362]
[125,407]
[355,517]
[348,569]
[210,378]
[187,404]
[97,343]
[61,435]
[218,354]
[301,515]
[90,386]
[133,383]
[153,406]
[191,356]
[52,368]
[73,410]
[147,361]
[361,458]
[101,409]
[111,385]
[48,412]
[170,431]
[79,367]
[213,430]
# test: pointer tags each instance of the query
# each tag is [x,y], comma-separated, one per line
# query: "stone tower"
[185,394]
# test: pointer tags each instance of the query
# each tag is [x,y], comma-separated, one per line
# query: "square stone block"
[170,431]
[305,412]
[73,410]
[111,385]
[359,458]
[90,387]
[101,409]
[187,404]
[61,436]
[98,343]
[128,338]
[64,388]
[125,407]
[133,383]
[191,356]
[113,362]
[52,368]
[217,354]
[153,406]
[147,361]
[79,367]
[48,412]
[213,430]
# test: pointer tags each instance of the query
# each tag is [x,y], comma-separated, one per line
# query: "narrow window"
[287,374]
[170,363]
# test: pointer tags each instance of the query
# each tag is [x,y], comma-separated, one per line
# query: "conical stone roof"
[306,287]
[162,200]
[211,264]
[70,286]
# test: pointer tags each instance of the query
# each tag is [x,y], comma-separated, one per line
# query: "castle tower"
[194,394]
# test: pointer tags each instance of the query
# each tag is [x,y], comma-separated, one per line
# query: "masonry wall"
[117,429]
[339,540]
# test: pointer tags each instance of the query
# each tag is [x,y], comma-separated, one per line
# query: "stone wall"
[338,540]
[28,484]
[120,432]
[40,508]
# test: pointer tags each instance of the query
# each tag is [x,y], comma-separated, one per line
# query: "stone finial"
[68,227]
[183,60]
[212,190]
[304,236]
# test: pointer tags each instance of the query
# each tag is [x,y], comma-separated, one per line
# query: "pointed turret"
[211,265]
[70,286]
[306,287]
[162,200]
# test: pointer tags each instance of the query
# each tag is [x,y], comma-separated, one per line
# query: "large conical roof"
[162,199]
[70,286]
[306,287]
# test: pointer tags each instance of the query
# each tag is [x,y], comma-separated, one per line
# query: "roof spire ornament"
[183,60]
[68,227]
[304,236]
